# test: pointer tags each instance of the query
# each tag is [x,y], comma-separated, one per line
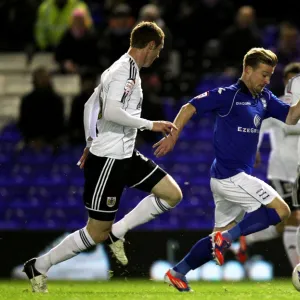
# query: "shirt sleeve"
[121,85]
[217,100]
[276,108]
[90,116]
[115,113]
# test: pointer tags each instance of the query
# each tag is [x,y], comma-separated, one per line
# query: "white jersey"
[119,84]
[292,95]
[282,163]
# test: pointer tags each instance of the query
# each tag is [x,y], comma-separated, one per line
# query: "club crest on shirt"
[220,90]
[129,86]
[264,103]
[257,120]
[111,201]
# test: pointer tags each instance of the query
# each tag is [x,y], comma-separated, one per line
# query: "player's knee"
[175,197]
[284,212]
[98,233]
[99,237]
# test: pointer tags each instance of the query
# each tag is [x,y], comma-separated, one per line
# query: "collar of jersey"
[132,59]
[244,89]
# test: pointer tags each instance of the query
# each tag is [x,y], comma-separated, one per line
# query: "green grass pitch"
[147,289]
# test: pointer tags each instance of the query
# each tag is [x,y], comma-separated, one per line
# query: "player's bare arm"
[83,157]
[293,115]
[167,144]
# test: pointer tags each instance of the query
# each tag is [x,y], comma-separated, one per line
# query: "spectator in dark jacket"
[41,119]
[238,39]
[77,50]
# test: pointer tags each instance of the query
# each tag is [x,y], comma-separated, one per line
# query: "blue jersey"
[238,120]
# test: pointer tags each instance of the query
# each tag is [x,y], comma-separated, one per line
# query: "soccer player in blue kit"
[239,109]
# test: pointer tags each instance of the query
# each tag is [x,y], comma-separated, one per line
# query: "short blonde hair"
[255,56]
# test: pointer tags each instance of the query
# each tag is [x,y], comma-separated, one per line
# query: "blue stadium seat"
[78,180]
[50,181]
[5,158]
[7,147]
[10,133]
[29,156]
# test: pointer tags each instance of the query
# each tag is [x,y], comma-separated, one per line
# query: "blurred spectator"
[152,106]
[53,20]
[116,37]
[287,50]
[17,19]
[76,127]
[203,20]
[41,119]
[238,39]
[77,51]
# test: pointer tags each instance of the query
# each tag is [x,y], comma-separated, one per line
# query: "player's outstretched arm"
[114,112]
[90,116]
[167,144]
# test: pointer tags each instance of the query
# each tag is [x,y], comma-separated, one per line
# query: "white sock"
[72,245]
[269,233]
[148,209]
[290,244]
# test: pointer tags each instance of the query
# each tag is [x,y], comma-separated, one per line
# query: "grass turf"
[147,289]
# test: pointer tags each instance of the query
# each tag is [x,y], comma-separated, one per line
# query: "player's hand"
[164,146]
[257,160]
[163,126]
[83,157]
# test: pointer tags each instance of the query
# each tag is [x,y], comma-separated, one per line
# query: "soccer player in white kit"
[110,161]
[282,170]
[293,94]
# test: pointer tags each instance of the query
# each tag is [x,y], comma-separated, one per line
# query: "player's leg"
[227,215]
[232,196]
[296,211]
[288,228]
[165,194]
[270,233]
[290,237]
[262,203]
[103,187]
[148,177]
[264,206]
[284,190]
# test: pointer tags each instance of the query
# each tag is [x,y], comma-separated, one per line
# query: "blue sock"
[198,256]
[255,221]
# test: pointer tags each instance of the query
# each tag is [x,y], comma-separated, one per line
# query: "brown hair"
[293,67]
[255,56]
[145,32]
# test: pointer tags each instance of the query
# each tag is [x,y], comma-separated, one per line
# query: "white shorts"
[236,195]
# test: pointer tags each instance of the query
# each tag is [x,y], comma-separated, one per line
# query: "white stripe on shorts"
[101,183]
[144,177]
